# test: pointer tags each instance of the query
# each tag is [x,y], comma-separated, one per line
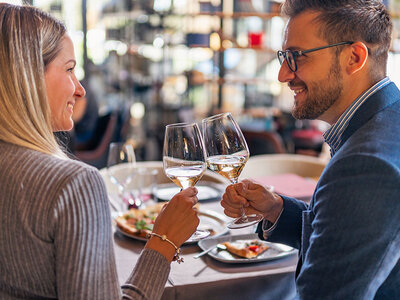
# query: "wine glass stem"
[243,216]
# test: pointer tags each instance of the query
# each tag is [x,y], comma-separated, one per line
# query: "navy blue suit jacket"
[349,235]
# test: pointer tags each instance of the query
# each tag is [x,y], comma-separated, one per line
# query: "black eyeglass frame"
[283,55]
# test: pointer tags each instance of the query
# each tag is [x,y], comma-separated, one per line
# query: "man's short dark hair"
[367,21]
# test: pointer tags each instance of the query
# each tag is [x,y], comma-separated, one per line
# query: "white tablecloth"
[206,278]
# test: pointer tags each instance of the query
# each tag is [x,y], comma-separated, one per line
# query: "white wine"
[185,176]
[229,166]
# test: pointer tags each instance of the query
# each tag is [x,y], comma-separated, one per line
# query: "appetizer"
[246,248]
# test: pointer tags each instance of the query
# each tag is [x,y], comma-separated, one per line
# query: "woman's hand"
[254,197]
[177,220]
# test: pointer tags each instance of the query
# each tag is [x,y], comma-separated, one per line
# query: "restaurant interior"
[146,64]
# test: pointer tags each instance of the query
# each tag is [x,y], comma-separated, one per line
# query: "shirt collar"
[333,136]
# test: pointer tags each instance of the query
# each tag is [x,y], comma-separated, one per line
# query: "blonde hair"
[29,41]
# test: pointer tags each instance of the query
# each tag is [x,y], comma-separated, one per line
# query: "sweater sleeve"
[84,254]
[147,280]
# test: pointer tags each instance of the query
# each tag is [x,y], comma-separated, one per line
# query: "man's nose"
[285,73]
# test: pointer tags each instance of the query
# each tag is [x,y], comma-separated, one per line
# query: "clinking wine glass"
[121,169]
[227,154]
[184,159]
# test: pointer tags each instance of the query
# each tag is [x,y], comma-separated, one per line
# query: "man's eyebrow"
[294,48]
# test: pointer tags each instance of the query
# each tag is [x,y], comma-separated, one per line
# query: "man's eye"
[300,57]
[296,54]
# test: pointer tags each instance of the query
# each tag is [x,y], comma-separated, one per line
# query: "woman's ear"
[358,56]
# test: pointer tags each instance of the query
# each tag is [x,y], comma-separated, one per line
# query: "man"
[334,59]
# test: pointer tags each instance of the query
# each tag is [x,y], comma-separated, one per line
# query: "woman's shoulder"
[42,182]
[24,162]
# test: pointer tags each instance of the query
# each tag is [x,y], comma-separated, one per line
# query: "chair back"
[97,156]
[264,142]
[274,164]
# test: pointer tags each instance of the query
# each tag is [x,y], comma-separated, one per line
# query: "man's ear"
[358,55]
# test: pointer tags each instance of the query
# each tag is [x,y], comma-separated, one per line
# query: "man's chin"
[300,114]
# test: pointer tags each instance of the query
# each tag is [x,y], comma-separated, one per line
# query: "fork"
[218,246]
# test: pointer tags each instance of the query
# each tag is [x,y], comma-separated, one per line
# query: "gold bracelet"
[177,250]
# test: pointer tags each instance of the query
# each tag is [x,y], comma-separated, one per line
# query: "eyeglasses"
[290,55]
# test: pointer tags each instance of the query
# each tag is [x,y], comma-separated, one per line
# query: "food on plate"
[246,248]
[139,222]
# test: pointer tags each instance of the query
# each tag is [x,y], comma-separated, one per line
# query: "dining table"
[208,278]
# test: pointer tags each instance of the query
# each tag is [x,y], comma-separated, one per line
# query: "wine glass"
[227,154]
[184,159]
[121,168]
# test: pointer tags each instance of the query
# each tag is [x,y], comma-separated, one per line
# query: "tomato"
[253,248]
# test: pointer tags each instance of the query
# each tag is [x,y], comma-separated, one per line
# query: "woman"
[55,225]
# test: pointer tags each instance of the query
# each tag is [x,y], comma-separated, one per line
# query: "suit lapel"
[374,104]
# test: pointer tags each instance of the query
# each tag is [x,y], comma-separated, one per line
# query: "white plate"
[206,191]
[209,220]
[274,252]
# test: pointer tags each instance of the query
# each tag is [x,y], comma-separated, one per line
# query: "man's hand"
[254,197]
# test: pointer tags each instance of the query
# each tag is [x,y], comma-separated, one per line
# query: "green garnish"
[129,216]
[142,225]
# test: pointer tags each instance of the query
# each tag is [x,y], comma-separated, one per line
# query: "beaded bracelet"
[164,238]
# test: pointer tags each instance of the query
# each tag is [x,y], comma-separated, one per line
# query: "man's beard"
[321,95]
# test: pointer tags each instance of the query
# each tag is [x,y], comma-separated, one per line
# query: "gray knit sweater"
[56,234]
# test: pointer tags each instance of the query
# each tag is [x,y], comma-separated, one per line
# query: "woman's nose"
[79,89]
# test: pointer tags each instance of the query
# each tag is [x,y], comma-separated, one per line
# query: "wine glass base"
[245,221]
[198,235]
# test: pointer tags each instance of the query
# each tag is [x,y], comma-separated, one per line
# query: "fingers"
[250,184]
[187,195]
[178,220]
[232,202]
[247,186]
[185,202]
[251,190]
[190,191]
[232,212]
[233,198]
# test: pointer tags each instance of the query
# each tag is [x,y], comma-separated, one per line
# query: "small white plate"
[274,252]
[206,191]
[209,220]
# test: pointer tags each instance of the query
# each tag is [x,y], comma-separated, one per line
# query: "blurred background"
[146,64]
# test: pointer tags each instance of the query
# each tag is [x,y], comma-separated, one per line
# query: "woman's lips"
[70,107]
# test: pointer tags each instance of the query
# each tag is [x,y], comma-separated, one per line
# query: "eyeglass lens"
[281,57]
[291,60]
[289,56]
